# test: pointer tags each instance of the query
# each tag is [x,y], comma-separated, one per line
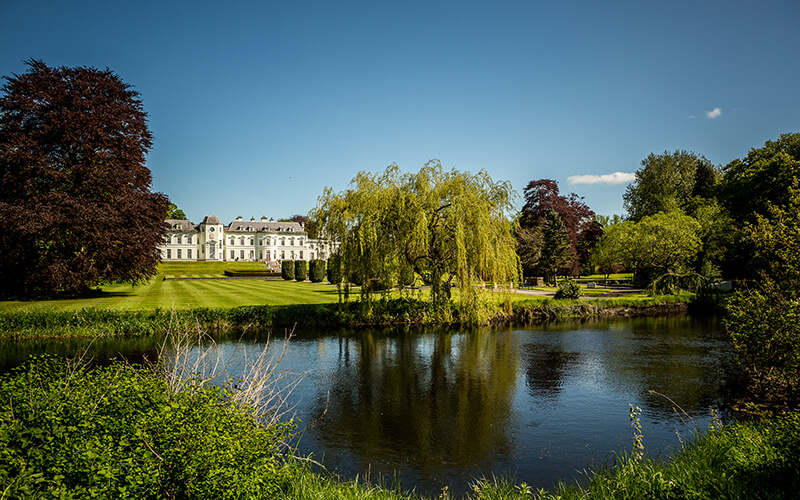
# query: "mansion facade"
[241,240]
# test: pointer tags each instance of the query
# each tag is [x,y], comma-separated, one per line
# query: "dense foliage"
[440,227]
[578,222]
[667,182]
[75,196]
[568,289]
[751,184]
[657,245]
[300,270]
[67,431]
[287,270]
[316,270]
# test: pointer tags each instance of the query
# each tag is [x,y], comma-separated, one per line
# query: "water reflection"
[444,407]
[420,400]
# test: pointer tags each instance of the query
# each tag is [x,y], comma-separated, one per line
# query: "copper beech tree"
[75,201]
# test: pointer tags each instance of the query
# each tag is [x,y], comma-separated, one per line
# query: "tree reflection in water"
[421,399]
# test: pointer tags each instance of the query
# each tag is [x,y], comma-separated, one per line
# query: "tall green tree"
[777,242]
[75,199]
[750,185]
[443,227]
[556,251]
[667,182]
[541,197]
[658,245]
[173,212]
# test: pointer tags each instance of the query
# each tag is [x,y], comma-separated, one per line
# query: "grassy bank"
[94,322]
[188,295]
[120,431]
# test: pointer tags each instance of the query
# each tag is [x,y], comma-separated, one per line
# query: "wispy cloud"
[615,178]
[713,113]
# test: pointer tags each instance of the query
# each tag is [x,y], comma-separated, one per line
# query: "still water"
[443,407]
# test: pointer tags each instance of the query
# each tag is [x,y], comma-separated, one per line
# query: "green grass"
[190,294]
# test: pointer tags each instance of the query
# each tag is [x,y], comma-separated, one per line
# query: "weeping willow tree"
[444,228]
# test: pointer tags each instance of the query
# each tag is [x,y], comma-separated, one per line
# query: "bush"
[764,327]
[300,270]
[316,270]
[287,270]
[335,275]
[120,431]
[568,289]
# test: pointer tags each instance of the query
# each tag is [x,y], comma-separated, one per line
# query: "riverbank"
[123,431]
[96,322]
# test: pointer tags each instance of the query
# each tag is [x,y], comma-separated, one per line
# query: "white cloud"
[713,113]
[615,178]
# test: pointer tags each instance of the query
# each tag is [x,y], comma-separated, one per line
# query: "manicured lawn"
[188,294]
[162,294]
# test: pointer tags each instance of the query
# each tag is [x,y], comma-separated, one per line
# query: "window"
[179,251]
[169,253]
[300,242]
[283,254]
[179,242]
[167,240]
[301,255]
[189,241]
[251,241]
[241,254]
[233,254]
[189,253]
[233,241]
[291,241]
[283,241]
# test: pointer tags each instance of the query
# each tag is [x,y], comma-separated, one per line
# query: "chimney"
[263,218]
[239,218]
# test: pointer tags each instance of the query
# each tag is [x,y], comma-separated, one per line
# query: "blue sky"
[256,107]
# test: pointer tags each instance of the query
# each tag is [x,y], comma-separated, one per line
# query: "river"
[442,407]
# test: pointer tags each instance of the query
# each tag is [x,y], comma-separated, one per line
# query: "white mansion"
[240,241]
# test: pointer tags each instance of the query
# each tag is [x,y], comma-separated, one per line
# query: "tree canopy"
[173,212]
[442,227]
[752,184]
[664,243]
[541,198]
[75,196]
[667,182]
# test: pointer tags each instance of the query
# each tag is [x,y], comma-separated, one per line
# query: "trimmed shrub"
[334,269]
[300,270]
[568,289]
[316,270]
[287,270]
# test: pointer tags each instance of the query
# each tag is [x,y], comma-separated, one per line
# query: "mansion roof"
[237,226]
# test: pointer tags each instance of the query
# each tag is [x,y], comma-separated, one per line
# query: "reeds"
[257,384]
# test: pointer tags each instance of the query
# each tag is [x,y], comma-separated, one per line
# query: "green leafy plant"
[121,431]
[568,289]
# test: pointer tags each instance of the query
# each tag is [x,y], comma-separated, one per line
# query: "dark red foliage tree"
[75,200]
[541,197]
